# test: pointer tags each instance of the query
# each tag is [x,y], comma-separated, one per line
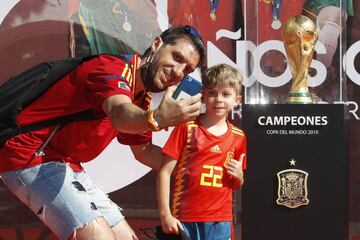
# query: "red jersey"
[81,141]
[202,188]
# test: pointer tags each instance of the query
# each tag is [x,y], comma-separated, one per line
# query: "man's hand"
[173,112]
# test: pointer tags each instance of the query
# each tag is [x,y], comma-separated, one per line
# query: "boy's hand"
[234,168]
[170,224]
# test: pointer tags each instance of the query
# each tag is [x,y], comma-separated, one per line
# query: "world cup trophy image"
[299,37]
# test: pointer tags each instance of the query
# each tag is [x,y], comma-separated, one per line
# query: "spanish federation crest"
[292,187]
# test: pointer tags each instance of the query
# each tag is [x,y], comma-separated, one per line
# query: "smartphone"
[188,86]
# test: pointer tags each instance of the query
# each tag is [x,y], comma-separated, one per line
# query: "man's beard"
[148,78]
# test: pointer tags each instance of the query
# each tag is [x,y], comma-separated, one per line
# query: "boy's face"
[220,100]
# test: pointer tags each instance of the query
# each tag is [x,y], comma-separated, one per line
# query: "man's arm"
[127,117]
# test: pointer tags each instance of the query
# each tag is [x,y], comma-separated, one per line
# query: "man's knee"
[97,229]
[123,231]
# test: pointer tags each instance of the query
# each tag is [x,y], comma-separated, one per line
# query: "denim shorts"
[63,199]
[208,230]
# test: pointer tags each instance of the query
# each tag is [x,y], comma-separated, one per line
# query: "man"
[326,14]
[43,168]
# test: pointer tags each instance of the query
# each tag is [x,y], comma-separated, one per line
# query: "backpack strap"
[40,151]
[85,115]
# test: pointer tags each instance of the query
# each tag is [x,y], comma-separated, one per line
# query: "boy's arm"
[148,154]
[168,222]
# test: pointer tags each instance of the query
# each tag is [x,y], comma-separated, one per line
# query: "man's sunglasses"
[193,32]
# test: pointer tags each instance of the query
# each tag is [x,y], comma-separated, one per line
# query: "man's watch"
[152,124]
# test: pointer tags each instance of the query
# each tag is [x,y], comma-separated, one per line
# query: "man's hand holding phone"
[188,87]
[180,104]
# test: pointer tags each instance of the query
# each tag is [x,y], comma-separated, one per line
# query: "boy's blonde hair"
[222,74]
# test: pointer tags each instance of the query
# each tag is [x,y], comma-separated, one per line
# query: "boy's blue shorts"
[208,230]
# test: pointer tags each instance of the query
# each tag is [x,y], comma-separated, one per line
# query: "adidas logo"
[215,149]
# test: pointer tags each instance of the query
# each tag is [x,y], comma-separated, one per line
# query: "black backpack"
[20,91]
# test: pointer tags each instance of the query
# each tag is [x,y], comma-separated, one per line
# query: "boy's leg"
[208,230]
[217,230]
[192,230]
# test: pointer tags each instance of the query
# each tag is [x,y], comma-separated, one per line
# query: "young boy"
[208,155]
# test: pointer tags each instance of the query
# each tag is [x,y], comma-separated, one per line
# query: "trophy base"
[299,98]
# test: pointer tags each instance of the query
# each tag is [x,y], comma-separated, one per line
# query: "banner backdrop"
[244,34]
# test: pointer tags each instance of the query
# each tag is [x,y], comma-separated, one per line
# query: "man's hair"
[222,74]
[173,34]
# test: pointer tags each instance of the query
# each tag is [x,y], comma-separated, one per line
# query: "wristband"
[152,124]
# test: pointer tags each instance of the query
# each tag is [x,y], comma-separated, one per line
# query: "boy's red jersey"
[202,188]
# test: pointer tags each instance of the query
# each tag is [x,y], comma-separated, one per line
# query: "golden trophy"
[299,36]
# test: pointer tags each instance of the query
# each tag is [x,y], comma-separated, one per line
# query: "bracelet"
[152,124]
